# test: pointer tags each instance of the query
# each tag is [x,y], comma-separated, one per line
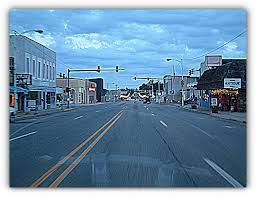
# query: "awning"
[19,90]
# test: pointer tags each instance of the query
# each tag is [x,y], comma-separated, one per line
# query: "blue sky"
[137,40]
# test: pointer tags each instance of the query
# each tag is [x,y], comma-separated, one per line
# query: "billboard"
[212,61]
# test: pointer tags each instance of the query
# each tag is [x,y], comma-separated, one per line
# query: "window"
[53,74]
[50,73]
[47,68]
[39,67]
[27,65]
[43,71]
[34,68]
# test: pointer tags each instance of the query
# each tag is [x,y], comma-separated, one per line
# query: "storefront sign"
[31,104]
[232,82]
[213,60]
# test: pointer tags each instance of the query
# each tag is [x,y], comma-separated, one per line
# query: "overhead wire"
[219,47]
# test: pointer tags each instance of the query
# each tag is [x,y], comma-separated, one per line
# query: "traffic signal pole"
[68,89]
[88,70]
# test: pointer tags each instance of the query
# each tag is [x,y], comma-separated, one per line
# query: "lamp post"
[182,78]
[14,71]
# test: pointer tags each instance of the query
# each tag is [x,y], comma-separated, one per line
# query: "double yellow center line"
[62,176]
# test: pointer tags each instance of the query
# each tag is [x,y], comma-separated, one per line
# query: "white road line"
[163,123]
[229,127]
[153,114]
[97,111]
[147,108]
[224,174]
[78,117]
[23,136]
[38,120]
[202,131]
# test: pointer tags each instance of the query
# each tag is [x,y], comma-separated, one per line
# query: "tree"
[144,87]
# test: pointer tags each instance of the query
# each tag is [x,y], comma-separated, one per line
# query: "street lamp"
[182,81]
[14,71]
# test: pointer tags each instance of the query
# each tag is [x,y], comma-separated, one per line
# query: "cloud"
[137,40]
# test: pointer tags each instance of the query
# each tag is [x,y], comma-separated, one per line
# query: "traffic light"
[116,68]
[190,72]
[98,69]
[135,78]
[68,89]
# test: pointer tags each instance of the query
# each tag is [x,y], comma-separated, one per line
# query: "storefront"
[21,98]
[227,99]
[227,84]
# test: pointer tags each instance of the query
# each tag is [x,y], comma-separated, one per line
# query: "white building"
[173,88]
[37,62]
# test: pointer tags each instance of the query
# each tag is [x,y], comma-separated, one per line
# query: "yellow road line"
[60,163]
[83,154]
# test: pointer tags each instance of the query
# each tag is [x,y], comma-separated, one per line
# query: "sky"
[139,41]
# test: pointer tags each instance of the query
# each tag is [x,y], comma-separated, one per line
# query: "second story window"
[47,69]
[27,65]
[39,67]
[34,68]
[43,71]
[50,73]
[53,74]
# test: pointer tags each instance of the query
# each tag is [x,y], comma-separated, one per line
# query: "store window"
[11,100]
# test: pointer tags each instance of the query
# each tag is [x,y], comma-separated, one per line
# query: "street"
[127,144]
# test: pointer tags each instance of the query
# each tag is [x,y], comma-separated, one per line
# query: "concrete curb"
[209,113]
[41,114]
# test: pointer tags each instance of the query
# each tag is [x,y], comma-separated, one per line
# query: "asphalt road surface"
[127,144]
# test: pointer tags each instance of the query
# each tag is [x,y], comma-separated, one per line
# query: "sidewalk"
[85,105]
[33,114]
[235,116]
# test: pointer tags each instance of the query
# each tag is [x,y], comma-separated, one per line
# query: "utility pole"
[68,89]
[116,94]
[159,92]
[182,78]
